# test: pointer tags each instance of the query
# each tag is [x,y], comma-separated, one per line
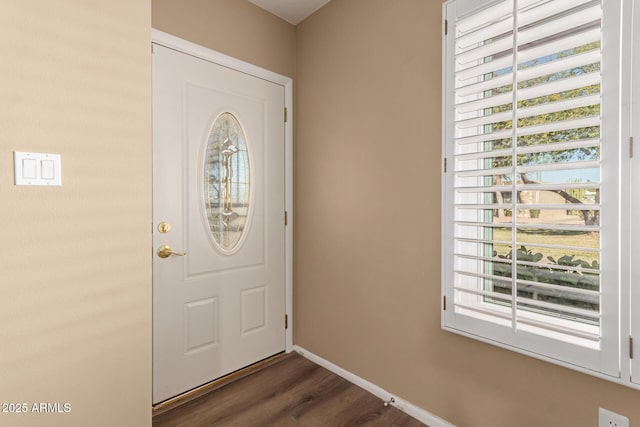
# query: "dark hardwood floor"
[291,392]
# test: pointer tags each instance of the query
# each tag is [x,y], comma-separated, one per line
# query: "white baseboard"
[403,405]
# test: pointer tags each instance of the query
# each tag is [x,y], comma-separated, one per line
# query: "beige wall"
[233,27]
[75,278]
[367,236]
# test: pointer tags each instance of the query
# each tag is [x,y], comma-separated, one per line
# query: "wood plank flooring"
[292,392]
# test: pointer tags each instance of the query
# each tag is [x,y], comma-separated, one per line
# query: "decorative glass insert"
[227,181]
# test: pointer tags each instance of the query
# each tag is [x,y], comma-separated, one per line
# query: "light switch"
[29,168]
[48,169]
[37,169]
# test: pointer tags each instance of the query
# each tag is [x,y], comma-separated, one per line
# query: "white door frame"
[198,51]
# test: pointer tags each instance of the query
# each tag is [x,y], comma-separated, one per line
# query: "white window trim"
[627,297]
[630,294]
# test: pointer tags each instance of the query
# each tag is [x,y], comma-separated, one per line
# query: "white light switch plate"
[37,169]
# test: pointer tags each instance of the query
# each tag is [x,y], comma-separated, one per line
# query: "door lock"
[164,227]
[166,251]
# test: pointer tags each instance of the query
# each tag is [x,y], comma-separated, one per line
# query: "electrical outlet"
[611,419]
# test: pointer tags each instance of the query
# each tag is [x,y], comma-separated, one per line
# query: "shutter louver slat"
[532,206]
[558,146]
[556,187]
[530,226]
[484,85]
[559,86]
[483,103]
[484,120]
[562,64]
[559,166]
[554,107]
[484,172]
[559,125]
[480,69]
[538,245]
[529,187]
[484,137]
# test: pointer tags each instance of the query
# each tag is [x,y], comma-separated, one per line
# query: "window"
[533,220]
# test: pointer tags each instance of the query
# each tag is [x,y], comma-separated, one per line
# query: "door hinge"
[286,321]
[445,165]
[286,218]
[631,147]
[446,27]
[285,115]
[444,303]
[630,347]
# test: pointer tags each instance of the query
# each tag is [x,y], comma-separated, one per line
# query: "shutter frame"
[577,353]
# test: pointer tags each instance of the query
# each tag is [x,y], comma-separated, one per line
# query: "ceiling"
[292,11]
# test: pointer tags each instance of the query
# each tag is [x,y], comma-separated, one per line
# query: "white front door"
[218,231]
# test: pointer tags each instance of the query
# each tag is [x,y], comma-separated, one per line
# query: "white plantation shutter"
[531,195]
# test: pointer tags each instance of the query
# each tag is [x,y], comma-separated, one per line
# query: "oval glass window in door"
[227,182]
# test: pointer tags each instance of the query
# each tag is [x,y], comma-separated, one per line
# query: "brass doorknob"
[166,251]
